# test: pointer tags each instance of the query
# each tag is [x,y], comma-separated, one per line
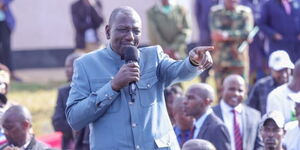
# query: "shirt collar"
[198,123]
[112,53]
[226,108]
[116,56]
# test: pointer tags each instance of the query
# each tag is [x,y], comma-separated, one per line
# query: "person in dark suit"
[279,21]
[207,125]
[241,120]
[87,18]
[59,121]
[17,125]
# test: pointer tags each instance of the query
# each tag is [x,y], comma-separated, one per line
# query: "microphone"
[131,55]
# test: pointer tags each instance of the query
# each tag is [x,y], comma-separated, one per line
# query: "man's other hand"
[200,56]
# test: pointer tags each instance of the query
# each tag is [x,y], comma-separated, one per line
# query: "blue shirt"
[116,122]
[182,135]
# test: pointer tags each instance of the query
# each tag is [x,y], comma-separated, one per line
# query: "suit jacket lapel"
[204,127]
[218,112]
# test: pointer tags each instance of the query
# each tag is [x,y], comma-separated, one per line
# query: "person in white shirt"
[280,99]
[292,136]
[241,120]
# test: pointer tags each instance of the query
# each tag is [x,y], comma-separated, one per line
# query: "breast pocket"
[147,89]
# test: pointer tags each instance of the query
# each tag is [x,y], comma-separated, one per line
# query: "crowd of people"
[112,103]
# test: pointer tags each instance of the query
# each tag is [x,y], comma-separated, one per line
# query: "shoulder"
[76,4]
[217,121]
[96,55]
[263,82]
[216,108]
[181,9]
[217,124]
[151,49]
[253,112]
[279,90]
[41,146]
[217,8]
[153,10]
[243,9]
[64,88]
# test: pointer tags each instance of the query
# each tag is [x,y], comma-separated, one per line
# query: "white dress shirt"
[198,123]
[227,115]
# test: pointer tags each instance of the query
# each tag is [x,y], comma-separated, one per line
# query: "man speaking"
[100,96]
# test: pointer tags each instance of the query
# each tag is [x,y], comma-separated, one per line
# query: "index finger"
[205,48]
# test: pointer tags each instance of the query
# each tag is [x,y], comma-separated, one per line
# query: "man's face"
[233,92]
[15,131]
[165,2]
[231,4]
[194,104]
[124,30]
[69,70]
[185,122]
[272,135]
[3,88]
[281,76]
[297,109]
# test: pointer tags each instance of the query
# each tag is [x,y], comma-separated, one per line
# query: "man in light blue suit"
[99,90]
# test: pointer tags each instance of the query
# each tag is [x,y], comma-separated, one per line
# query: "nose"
[130,36]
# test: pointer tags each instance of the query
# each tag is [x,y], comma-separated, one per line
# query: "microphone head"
[130,53]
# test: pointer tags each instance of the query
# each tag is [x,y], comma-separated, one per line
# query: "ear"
[208,101]
[26,124]
[107,32]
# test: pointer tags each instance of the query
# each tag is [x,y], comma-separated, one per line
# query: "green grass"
[40,99]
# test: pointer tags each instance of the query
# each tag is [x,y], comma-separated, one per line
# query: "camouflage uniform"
[235,25]
[170,30]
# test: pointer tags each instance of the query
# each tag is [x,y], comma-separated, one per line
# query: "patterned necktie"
[287,6]
[237,132]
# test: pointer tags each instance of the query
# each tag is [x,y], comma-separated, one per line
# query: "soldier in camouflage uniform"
[168,26]
[230,24]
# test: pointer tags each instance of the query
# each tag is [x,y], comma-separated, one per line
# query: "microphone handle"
[132,91]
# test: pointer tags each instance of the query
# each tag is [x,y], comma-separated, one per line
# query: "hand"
[128,73]
[201,56]
[1,5]
[219,36]
[277,36]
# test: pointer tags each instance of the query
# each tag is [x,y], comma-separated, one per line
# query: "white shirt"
[279,100]
[292,137]
[227,115]
[198,124]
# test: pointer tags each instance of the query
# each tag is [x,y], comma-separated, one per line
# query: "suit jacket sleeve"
[253,99]
[171,71]
[85,106]
[59,120]
[263,22]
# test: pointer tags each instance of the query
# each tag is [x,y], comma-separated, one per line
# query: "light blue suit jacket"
[115,122]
